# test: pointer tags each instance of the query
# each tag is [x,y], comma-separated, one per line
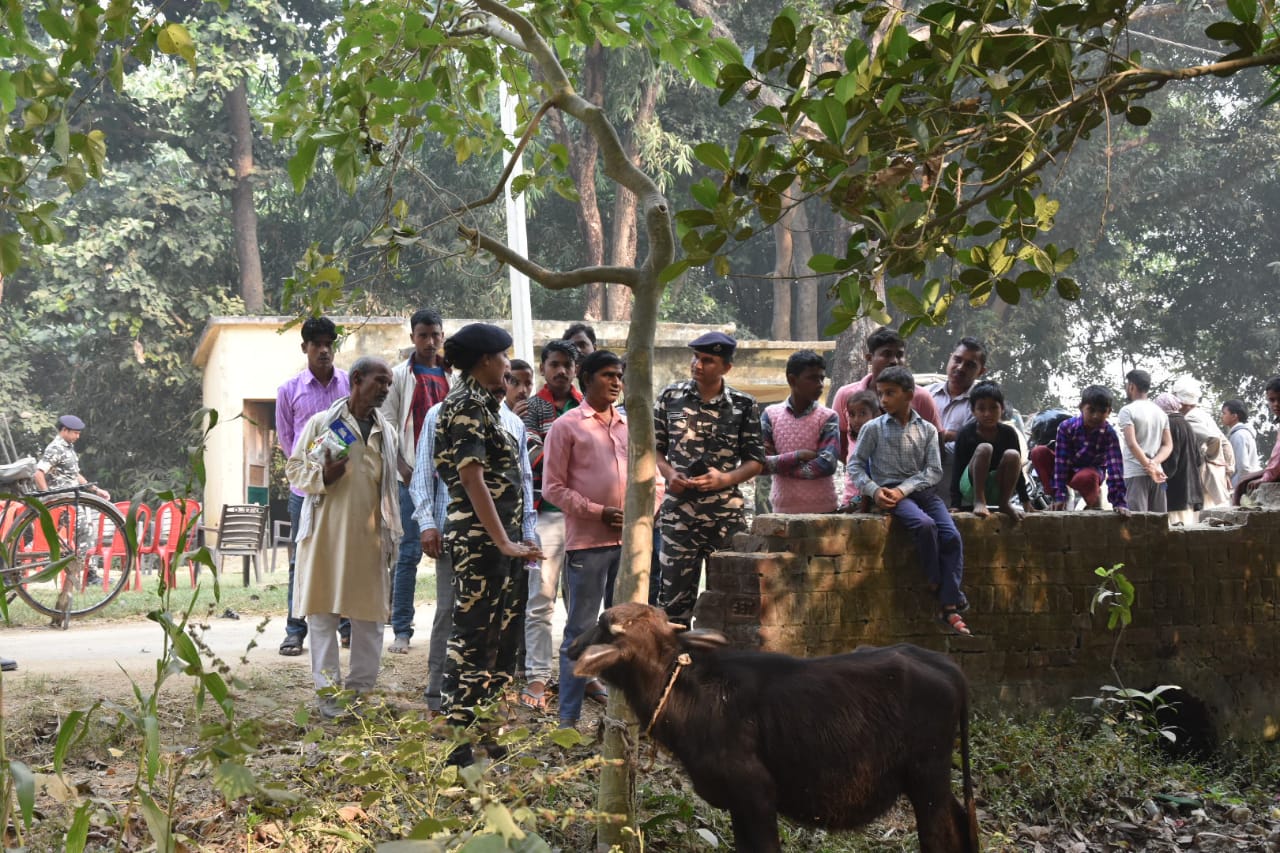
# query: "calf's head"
[635,637]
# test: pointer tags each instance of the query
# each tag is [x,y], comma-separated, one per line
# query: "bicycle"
[70,560]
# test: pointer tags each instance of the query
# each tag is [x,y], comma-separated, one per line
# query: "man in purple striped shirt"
[313,390]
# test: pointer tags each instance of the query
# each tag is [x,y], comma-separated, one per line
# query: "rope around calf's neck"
[681,662]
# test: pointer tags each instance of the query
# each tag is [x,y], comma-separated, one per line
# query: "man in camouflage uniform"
[59,468]
[59,465]
[708,442]
[479,462]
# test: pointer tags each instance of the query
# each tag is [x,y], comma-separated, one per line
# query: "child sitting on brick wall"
[1086,450]
[988,461]
[897,463]
[861,407]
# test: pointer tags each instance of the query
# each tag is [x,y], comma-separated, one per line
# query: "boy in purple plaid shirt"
[1087,449]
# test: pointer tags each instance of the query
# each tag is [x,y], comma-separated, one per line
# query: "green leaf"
[710,154]
[1008,291]
[1068,289]
[905,301]
[10,253]
[674,271]
[24,783]
[174,40]
[78,831]
[303,164]
[1243,10]
[8,95]
[566,738]
[157,821]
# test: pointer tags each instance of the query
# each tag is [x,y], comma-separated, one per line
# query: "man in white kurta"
[349,528]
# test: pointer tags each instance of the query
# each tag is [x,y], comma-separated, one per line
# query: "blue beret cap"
[70,422]
[715,343]
[483,338]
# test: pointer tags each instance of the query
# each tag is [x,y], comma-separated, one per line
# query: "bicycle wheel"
[94,556]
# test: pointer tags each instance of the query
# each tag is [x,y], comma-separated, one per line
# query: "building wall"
[1205,616]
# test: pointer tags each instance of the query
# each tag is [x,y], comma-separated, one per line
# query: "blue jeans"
[941,552]
[296,626]
[405,579]
[587,574]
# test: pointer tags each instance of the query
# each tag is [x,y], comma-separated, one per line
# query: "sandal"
[596,692]
[400,645]
[535,700]
[291,647]
[954,623]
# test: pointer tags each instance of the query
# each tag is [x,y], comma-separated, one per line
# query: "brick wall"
[1205,615]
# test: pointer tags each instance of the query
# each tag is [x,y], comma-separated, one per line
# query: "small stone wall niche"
[1205,615]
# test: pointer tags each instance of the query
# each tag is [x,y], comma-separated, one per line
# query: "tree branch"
[550,279]
[511,164]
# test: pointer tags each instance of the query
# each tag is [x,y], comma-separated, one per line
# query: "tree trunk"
[583,153]
[618,775]
[782,251]
[625,234]
[806,290]
[244,217]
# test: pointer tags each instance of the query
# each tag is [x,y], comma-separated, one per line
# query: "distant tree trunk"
[783,247]
[805,326]
[625,233]
[244,217]
[583,153]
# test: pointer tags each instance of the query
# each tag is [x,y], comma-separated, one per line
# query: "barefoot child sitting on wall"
[988,461]
[897,463]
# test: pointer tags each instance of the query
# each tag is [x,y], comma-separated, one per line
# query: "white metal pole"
[518,240]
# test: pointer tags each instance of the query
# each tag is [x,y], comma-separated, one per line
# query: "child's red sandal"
[954,622]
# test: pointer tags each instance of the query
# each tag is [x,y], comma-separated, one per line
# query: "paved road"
[104,647]
[94,647]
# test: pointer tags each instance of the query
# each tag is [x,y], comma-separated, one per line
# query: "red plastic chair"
[117,549]
[64,521]
[172,518]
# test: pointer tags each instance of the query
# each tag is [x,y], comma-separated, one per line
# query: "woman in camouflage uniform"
[479,463]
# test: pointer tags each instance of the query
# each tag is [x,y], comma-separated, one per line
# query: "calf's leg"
[755,831]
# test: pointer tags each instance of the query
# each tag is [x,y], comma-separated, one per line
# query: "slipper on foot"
[596,692]
[954,623]
[400,645]
[291,647]
[535,700]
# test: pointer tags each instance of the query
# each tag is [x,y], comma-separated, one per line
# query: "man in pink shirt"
[885,348]
[1271,473]
[585,474]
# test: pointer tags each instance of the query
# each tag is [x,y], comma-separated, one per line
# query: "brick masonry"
[1205,615]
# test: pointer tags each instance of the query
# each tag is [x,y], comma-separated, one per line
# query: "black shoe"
[461,757]
[345,640]
[92,578]
[7,665]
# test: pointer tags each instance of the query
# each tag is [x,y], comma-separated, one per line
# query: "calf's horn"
[677,627]
[616,629]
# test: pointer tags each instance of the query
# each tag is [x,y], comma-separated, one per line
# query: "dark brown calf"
[829,742]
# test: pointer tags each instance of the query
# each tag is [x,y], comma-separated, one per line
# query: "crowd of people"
[518,495]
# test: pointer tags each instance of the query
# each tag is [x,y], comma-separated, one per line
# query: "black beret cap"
[483,338]
[715,343]
[70,422]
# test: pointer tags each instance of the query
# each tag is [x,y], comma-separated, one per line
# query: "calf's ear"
[595,660]
[701,638]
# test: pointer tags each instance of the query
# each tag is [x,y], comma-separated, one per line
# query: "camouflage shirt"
[469,431]
[724,432]
[60,464]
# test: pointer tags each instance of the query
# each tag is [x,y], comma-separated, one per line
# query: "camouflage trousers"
[690,534]
[482,649]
